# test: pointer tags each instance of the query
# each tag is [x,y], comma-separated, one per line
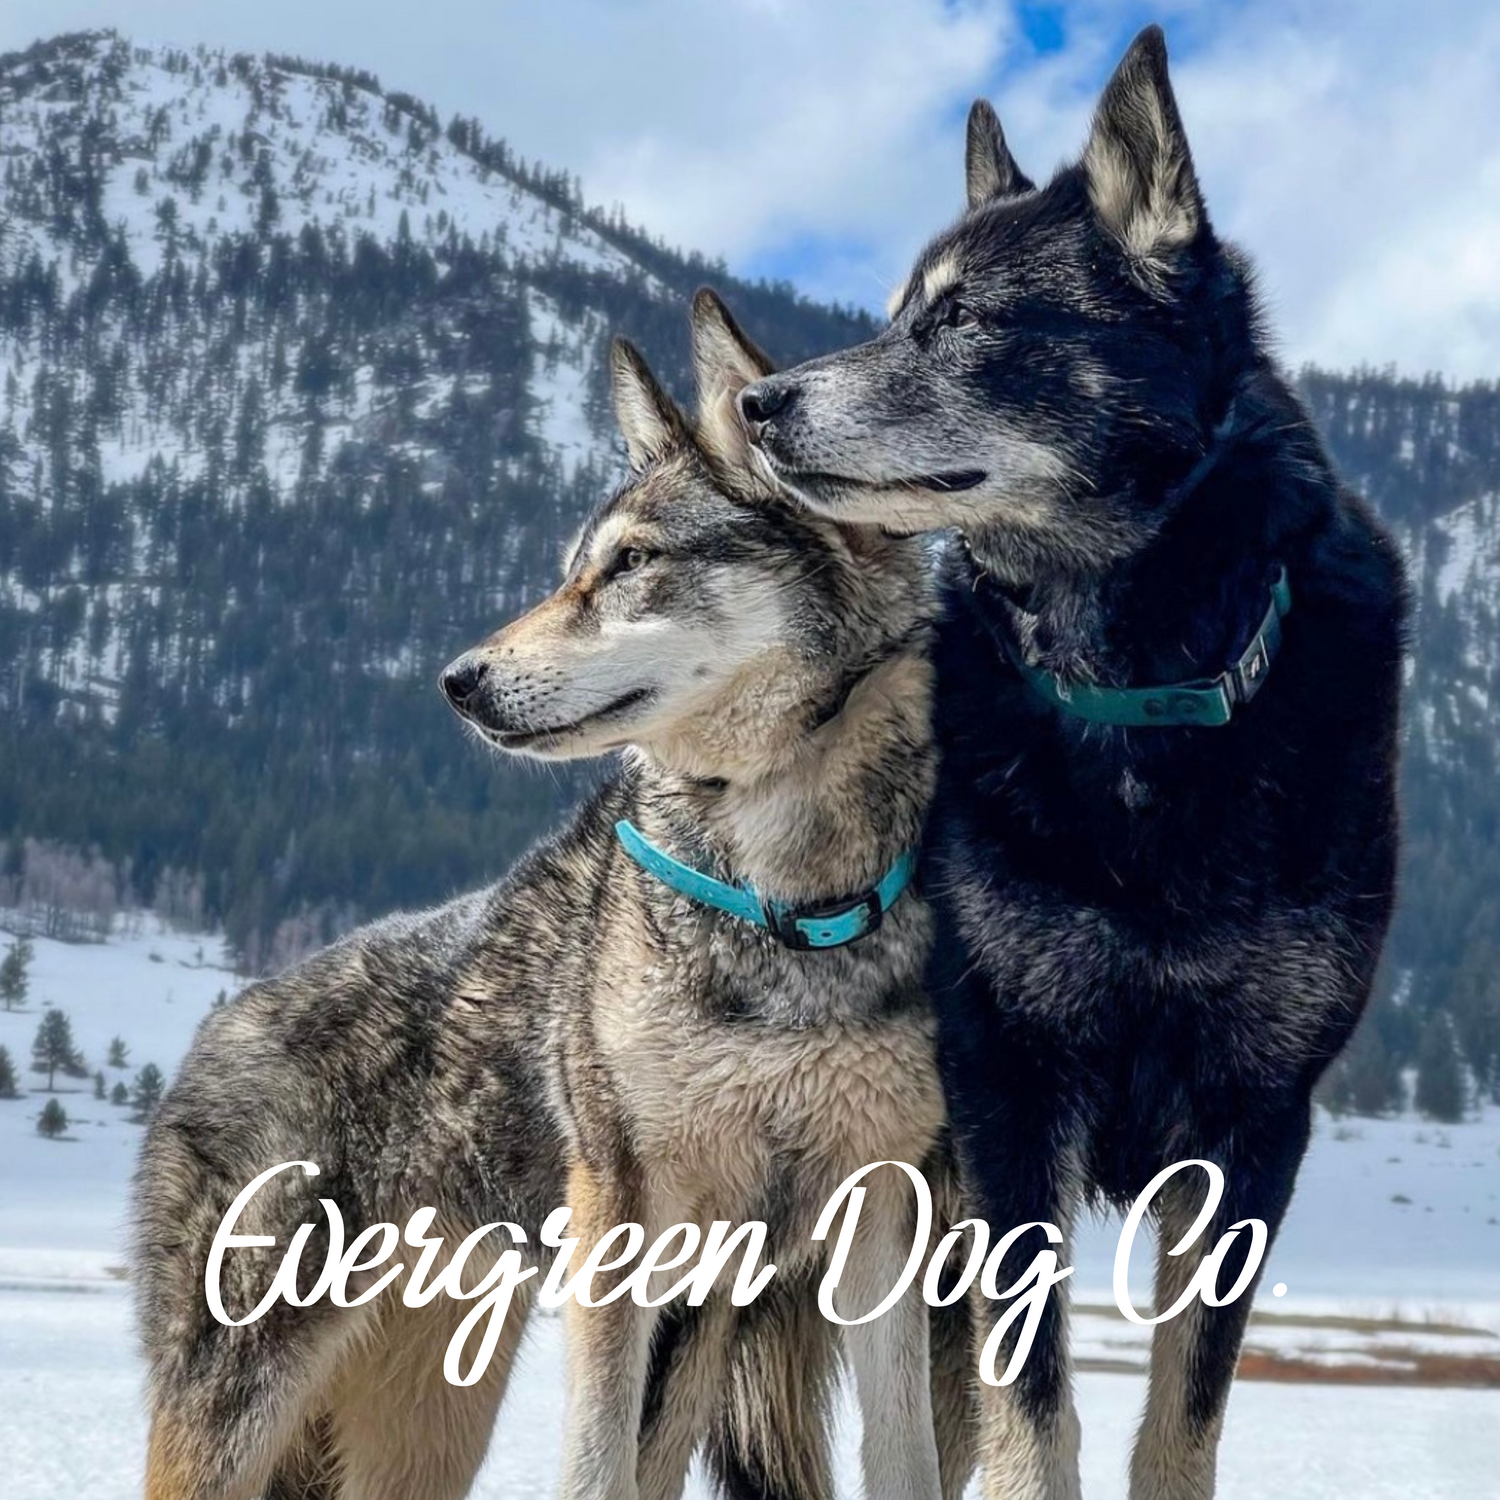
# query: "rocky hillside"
[302,388]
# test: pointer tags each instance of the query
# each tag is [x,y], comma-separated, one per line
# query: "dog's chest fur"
[1179,922]
[751,1080]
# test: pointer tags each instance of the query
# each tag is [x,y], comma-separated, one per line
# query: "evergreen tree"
[14,973]
[1474,1003]
[53,1050]
[1441,1094]
[8,1089]
[52,1121]
[99,1089]
[1366,1079]
[1334,1091]
[119,1053]
[119,1095]
[147,1092]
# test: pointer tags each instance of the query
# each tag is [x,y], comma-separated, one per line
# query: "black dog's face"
[1042,347]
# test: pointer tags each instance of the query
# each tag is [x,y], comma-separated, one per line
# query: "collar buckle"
[1248,675]
[820,925]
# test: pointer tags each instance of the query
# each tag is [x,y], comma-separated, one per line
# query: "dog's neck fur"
[1188,600]
[801,803]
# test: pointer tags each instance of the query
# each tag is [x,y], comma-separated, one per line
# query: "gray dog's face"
[1044,353]
[671,590]
[698,602]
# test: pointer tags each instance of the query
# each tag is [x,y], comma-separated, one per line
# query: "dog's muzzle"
[462,681]
[760,403]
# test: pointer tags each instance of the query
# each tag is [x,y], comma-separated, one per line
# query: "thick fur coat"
[1151,941]
[580,1034]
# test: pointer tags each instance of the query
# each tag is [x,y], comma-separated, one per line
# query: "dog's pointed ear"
[990,171]
[725,361]
[1137,164]
[649,420]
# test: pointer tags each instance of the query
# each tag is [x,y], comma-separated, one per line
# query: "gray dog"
[584,1034]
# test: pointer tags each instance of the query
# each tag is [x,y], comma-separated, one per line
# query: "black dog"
[1160,908]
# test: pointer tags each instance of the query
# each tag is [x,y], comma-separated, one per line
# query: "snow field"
[71,1421]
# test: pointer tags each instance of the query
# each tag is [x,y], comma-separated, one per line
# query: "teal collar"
[1205,701]
[802,927]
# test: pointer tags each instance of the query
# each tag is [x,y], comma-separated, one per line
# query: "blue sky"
[826,261]
[1353,146]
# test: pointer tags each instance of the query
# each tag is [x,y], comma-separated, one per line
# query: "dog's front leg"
[1193,1356]
[950,1331]
[608,1353]
[1028,1430]
[889,1355]
[1011,1136]
[609,1350]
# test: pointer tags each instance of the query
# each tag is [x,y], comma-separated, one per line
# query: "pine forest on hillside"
[302,390]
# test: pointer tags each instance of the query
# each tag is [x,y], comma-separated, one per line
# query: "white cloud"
[752,123]
[1353,146]
[1356,151]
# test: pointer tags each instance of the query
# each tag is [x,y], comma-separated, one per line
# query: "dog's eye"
[631,559]
[959,315]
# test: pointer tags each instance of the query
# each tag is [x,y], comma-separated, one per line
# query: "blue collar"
[823,925]
[1206,702]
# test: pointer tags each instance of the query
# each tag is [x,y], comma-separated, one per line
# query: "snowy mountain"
[126,164]
[1428,457]
[301,391]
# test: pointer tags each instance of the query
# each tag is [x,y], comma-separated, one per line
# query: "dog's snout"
[462,680]
[760,402]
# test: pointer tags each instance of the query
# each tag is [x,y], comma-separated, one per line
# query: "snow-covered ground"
[151,989]
[1391,1218]
[70,1423]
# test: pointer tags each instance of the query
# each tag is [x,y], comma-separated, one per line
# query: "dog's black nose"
[761,401]
[462,680]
